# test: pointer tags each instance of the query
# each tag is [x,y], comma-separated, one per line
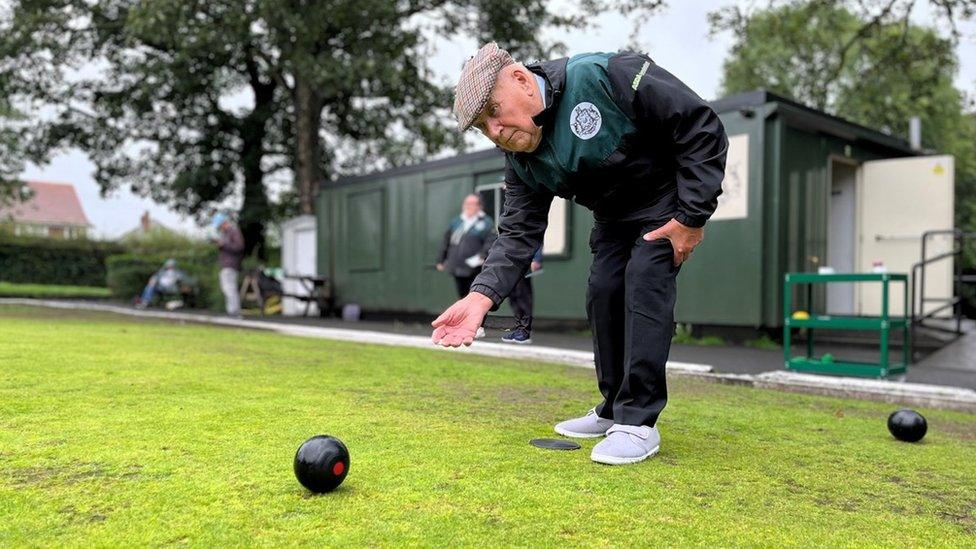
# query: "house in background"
[53,211]
[147,227]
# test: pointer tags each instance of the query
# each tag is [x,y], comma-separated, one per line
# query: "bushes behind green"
[51,291]
[128,274]
[61,262]
[124,267]
[164,241]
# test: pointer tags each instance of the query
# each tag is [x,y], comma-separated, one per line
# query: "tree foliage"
[359,70]
[192,102]
[872,67]
[141,87]
[11,156]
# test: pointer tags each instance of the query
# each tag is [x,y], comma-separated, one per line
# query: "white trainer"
[627,444]
[589,426]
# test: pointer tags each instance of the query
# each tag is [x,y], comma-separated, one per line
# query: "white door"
[842,236]
[901,199]
[298,257]
[305,251]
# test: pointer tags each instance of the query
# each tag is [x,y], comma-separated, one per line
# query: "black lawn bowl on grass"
[554,444]
[907,425]
[322,463]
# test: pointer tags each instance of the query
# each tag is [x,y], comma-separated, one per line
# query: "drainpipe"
[915,133]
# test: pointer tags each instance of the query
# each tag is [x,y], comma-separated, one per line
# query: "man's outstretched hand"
[458,324]
[683,238]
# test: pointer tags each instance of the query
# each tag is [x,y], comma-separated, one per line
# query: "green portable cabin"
[796,180]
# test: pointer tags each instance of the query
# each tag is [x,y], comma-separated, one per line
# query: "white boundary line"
[482,348]
[917,394]
[914,394]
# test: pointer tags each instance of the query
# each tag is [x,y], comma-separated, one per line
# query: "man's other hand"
[458,324]
[683,239]
[439,267]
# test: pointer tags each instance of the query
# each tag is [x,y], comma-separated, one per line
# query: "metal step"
[926,338]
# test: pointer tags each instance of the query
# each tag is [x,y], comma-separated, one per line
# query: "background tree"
[330,88]
[17,100]
[875,68]
[148,103]
[11,157]
[61,61]
[358,70]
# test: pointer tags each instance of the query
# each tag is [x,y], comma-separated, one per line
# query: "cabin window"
[556,240]
[442,203]
[492,199]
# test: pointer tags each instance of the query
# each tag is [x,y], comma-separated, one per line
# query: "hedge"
[52,291]
[61,262]
[128,274]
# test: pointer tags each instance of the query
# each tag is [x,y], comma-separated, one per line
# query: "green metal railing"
[884,324]
[921,314]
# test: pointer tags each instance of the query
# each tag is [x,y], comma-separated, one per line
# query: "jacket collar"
[554,73]
[480,215]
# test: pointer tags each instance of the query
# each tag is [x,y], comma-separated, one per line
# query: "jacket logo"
[585,120]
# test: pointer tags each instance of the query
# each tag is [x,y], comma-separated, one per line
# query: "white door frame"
[831,158]
[499,205]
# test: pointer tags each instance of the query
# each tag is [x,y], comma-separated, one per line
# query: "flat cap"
[476,82]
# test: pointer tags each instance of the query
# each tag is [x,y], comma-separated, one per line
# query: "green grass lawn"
[116,431]
[43,291]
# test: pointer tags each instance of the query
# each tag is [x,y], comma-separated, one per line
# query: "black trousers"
[464,283]
[521,301]
[630,303]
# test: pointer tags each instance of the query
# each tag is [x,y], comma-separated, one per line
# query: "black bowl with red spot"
[322,463]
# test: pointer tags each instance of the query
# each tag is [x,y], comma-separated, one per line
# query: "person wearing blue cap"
[230,255]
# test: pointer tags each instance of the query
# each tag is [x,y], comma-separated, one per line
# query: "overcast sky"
[676,38]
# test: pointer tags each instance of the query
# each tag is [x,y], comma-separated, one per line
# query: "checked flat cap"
[477,80]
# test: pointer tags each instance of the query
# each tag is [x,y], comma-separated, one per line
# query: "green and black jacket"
[621,136]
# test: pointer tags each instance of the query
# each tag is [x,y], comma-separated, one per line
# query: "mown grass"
[683,336]
[118,432]
[45,291]
[763,342]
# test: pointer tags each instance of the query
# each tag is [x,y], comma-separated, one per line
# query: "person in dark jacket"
[521,299]
[229,257]
[466,244]
[625,138]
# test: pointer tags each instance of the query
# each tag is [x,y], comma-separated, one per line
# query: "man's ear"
[521,75]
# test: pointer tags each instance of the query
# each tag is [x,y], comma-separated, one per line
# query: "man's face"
[471,206]
[507,117]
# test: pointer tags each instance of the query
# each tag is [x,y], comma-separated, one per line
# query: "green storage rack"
[884,324]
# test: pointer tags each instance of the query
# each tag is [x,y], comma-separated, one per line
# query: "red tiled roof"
[52,204]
